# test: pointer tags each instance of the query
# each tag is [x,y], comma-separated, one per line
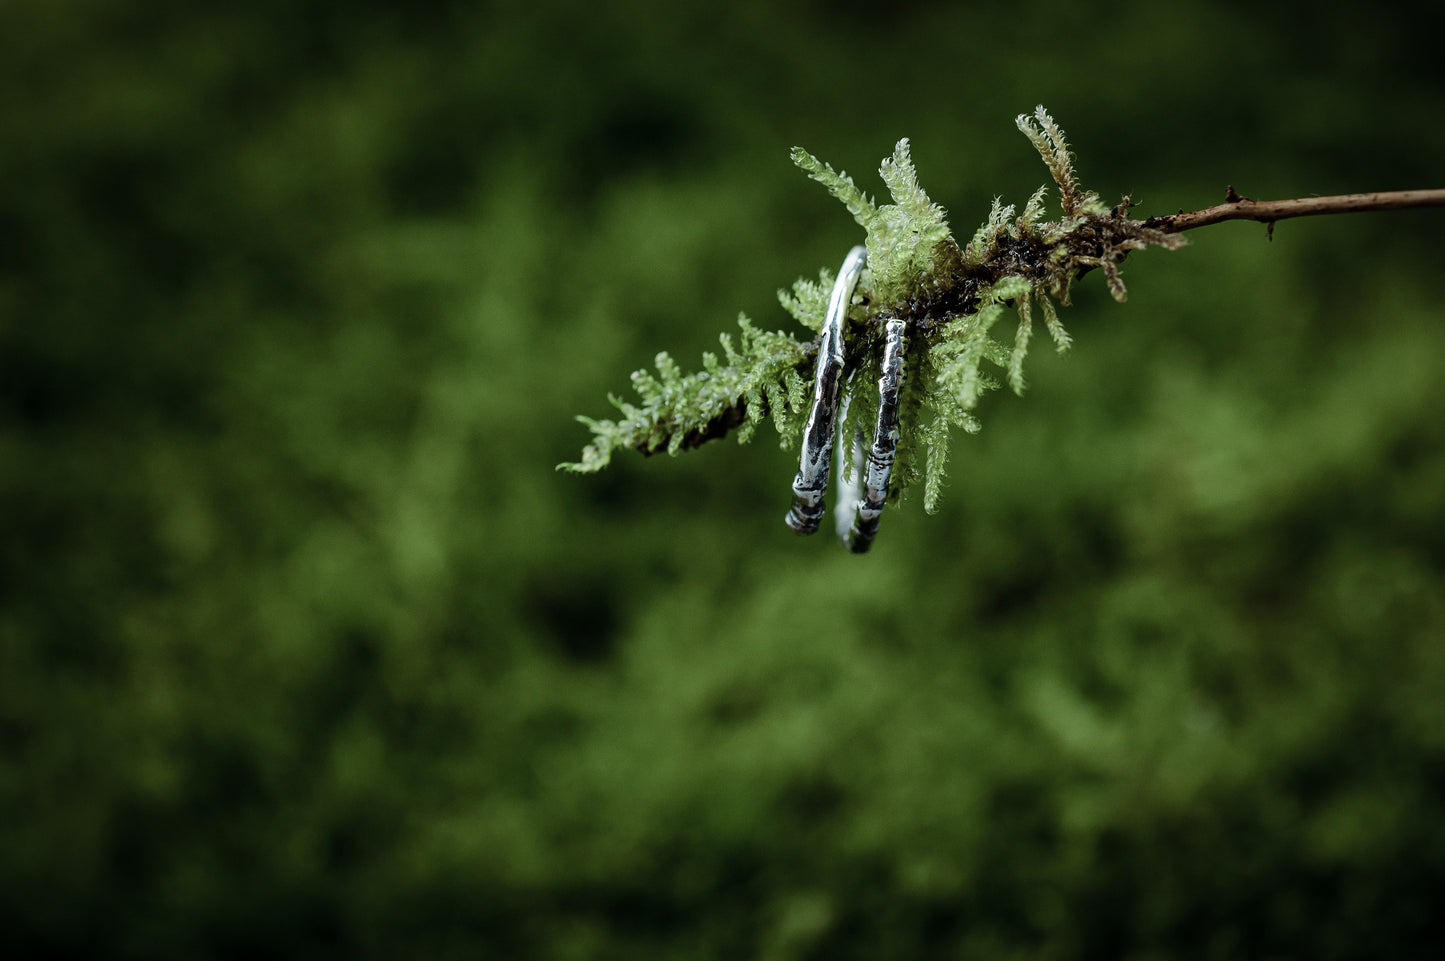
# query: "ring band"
[817,455]
[885,444]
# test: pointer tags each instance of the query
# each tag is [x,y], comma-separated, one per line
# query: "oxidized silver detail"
[885,443]
[817,455]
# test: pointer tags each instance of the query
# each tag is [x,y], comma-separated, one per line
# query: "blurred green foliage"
[306,651]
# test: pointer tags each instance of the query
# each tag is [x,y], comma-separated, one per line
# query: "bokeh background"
[306,650]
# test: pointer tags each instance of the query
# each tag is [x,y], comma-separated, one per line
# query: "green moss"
[952,296]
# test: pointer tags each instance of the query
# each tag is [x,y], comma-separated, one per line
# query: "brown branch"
[1268,211]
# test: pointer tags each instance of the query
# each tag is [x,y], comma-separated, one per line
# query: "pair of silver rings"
[863,490]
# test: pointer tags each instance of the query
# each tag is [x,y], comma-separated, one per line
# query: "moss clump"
[952,296]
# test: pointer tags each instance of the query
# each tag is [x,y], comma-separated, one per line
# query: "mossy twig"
[1236,207]
[950,295]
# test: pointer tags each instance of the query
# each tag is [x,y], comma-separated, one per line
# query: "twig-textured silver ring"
[817,456]
[885,443]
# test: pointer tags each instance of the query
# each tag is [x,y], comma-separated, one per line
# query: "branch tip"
[1238,207]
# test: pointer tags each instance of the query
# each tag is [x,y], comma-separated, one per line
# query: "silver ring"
[817,454]
[885,444]
[852,457]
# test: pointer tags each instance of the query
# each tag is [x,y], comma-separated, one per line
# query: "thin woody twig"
[1268,211]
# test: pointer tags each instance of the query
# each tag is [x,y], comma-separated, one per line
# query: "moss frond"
[680,411]
[840,185]
[1055,327]
[1049,140]
[901,178]
[808,301]
[990,232]
[1033,210]
[965,344]
[1021,346]
[936,439]
[902,235]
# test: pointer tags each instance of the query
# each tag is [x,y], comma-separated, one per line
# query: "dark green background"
[306,650]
